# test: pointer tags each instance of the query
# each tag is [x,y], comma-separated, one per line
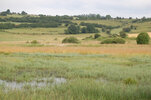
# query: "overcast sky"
[123,8]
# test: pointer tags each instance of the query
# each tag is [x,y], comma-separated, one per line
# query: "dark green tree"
[91,29]
[108,17]
[84,30]
[23,13]
[8,11]
[73,29]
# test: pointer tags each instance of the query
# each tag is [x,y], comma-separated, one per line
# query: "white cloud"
[135,8]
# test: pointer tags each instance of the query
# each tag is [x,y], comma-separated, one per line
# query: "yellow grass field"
[126,49]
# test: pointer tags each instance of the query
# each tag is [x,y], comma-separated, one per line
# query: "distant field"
[103,22]
[142,27]
[37,31]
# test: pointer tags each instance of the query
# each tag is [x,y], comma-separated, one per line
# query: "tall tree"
[23,13]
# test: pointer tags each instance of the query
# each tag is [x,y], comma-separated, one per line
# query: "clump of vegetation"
[113,41]
[34,42]
[114,35]
[70,40]
[96,36]
[127,29]
[129,81]
[143,38]
[108,31]
[123,34]
[73,29]
[90,28]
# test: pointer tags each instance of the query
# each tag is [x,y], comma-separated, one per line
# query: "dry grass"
[103,49]
[136,34]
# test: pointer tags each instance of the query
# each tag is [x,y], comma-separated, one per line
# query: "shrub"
[70,40]
[113,41]
[114,35]
[73,29]
[34,42]
[127,29]
[96,36]
[123,34]
[103,29]
[108,31]
[91,29]
[143,38]
[129,81]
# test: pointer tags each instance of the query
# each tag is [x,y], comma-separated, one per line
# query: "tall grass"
[89,77]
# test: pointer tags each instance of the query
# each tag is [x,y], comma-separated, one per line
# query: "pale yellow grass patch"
[136,34]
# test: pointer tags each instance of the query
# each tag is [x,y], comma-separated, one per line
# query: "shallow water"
[35,83]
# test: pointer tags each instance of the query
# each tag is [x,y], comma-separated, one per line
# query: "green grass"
[103,22]
[142,27]
[89,77]
[37,31]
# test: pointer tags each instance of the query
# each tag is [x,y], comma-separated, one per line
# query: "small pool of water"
[35,83]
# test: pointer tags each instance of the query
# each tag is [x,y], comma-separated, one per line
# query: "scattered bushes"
[113,41]
[7,26]
[70,40]
[143,38]
[90,28]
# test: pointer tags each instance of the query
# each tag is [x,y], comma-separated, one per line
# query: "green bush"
[96,36]
[34,42]
[113,41]
[70,40]
[123,34]
[129,81]
[108,31]
[143,38]
[113,35]
[127,29]
[73,29]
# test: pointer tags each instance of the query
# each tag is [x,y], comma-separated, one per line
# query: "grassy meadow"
[89,77]
[92,71]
